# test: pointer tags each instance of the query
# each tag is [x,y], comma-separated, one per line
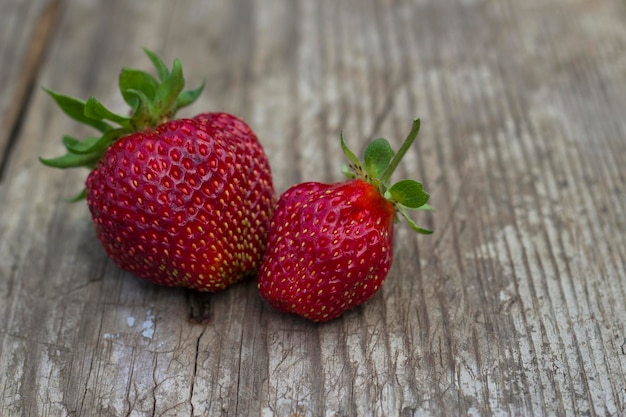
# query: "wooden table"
[516,305]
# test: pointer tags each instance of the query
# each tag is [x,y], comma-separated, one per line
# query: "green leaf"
[70,142]
[409,193]
[187,97]
[143,112]
[78,197]
[378,154]
[170,89]
[345,170]
[96,110]
[75,109]
[132,79]
[349,154]
[76,146]
[425,207]
[144,101]
[414,225]
[71,160]
[92,145]
[160,66]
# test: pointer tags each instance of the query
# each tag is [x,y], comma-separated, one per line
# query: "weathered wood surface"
[515,306]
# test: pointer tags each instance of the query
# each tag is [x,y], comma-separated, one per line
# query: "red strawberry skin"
[330,248]
[185,204]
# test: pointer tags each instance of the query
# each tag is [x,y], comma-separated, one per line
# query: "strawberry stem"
[379,164]
[393,164]
[153,102]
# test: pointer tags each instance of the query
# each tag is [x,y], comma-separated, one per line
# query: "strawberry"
[330,246]
[178,202]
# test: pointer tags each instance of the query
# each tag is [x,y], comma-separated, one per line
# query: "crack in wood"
[199,307]
[195,372]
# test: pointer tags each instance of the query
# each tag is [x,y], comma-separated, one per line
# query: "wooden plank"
[25,29]
[515,306]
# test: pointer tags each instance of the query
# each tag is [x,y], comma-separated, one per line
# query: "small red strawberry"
[178,202]
[330,246]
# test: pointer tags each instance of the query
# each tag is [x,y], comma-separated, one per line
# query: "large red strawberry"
[330,246]
[179,202]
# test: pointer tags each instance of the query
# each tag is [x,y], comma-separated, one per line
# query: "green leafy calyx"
[379,164]
[153,101]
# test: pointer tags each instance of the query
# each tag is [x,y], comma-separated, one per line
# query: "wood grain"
[515,306]
[26,28]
